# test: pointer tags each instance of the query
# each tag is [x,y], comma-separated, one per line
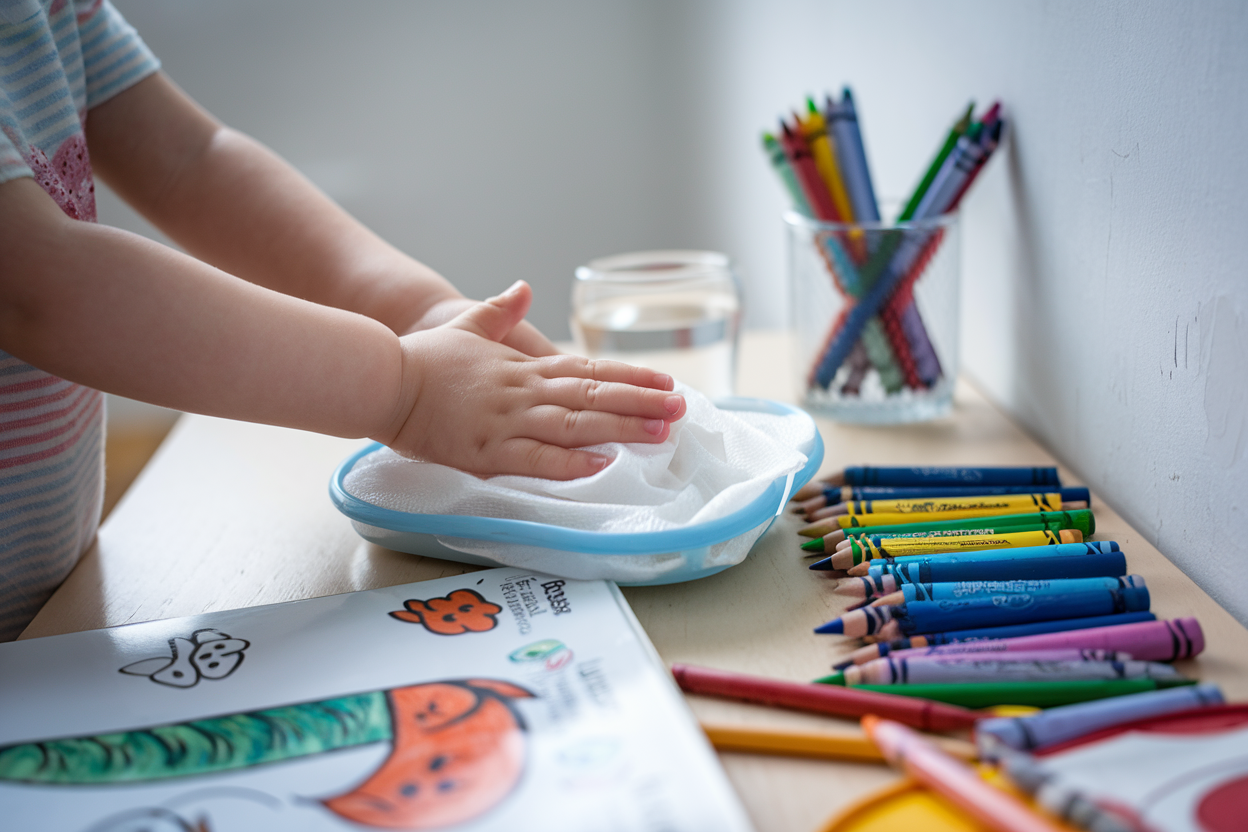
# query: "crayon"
[1063,801]
[978,634]
[930,716]
[894,548]
[952,590]
[851,156]
[1071,721]
[779,161]
[823,545]
[831,495]
[899,669]
[1095,565]
[952,779]
[815,129]
[1155,641]
[964,669]
[883,566]
[841,745]
[1032,694]
[956,132]
[803,165]
[872,588]
[866,522]
[966,160]
[986,475]
[1081,519]
[880,566]
[1021,503]
[990,611]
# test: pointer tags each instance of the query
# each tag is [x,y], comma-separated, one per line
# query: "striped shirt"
[58,59]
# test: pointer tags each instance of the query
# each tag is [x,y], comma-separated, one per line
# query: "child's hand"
[523,337]
[471,402]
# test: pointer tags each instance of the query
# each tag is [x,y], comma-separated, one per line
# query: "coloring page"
[495,700]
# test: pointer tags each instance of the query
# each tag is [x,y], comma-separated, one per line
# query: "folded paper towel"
[714,462]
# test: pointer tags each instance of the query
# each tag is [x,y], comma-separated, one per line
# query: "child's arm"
[115,311]
[231,202]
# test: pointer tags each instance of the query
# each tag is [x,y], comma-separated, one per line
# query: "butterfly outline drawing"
[207,654]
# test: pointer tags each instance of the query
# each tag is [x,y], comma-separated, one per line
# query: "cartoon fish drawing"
[457,750]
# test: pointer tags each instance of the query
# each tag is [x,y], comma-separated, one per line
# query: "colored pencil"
[930,716]
[952,779]
[822,744]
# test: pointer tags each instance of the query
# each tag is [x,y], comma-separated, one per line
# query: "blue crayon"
[1065,723]
[954,590]
[883,648]
[1106,565]
[991,611]
[851,156]
[989,475]
[1061,550]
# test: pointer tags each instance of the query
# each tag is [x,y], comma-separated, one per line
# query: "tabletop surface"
[229,515]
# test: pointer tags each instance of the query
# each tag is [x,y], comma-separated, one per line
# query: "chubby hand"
[469,401]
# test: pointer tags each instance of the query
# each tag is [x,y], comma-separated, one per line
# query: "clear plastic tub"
[683,554]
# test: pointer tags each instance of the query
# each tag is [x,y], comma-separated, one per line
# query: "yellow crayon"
[815,131]
[901,547]
[925,506]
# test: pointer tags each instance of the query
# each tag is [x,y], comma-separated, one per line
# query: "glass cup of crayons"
[875,310]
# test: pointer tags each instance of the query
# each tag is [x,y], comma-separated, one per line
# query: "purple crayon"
[897,670]
[1056,725]
[1154,641]
[960,669]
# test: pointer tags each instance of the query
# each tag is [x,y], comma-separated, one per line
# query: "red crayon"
[803,163]
[823,699]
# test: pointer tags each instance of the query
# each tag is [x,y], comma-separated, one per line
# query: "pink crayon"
[1165,641]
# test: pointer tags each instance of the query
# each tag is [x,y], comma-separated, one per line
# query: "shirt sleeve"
[114,57]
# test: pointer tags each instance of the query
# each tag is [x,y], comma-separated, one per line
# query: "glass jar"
[676,312]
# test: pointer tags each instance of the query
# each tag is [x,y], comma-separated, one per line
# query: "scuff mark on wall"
[1226,385]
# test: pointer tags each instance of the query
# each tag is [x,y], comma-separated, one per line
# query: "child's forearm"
[119,313]
[231,202]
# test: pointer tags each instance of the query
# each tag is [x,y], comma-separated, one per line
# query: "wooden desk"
[232,515]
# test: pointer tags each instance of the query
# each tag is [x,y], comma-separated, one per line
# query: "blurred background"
[1104,294]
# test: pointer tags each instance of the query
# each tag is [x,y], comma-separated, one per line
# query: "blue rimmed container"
[682,554]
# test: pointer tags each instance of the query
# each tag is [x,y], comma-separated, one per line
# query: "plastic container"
[687,552]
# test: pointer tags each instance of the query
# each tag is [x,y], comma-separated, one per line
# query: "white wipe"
[713,463]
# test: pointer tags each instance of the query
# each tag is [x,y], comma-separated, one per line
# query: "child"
[284,311]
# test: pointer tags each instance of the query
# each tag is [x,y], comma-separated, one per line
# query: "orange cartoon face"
[458,751]
[464,610]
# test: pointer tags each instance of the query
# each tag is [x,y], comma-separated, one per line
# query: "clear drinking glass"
[875,311]
[677,312]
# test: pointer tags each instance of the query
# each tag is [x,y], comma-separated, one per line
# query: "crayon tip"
[815,545]
[824,565]
[843,665]
[833,626]
[833,679]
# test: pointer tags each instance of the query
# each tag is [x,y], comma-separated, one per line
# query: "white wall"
[1106,262]
[1105,299]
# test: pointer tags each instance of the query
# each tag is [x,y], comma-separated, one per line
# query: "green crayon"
[1033,694]
[775,152]
[1053,521]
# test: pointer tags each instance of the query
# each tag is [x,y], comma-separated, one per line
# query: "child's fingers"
[612,397]
[493,318]
[578,428]
[576,366]
[531,458]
